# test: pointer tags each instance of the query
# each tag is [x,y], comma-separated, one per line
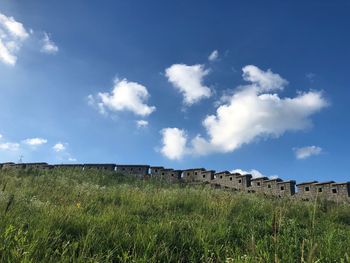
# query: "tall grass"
[90,216]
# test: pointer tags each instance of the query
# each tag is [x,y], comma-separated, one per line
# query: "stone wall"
[308,191]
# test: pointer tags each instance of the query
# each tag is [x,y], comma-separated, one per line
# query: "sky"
[250,86]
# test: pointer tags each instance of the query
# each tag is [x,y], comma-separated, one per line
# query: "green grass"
[75,216]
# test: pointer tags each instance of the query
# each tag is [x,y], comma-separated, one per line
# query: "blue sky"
[247,85]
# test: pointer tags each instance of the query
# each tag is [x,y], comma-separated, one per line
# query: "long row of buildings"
[338,192]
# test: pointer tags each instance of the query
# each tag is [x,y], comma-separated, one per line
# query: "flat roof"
[99,164]
[260,178]
[311,182]
[34,163]
[327,182]
[132,165]
[158,167]
[209,171]
[193,169]
[223,172]
[276,179]
[341,183]
[285,182]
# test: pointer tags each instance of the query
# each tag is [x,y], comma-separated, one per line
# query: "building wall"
[138,170]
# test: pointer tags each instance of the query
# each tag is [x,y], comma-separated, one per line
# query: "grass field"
[75,216]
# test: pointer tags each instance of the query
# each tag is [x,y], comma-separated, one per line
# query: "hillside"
[89,216]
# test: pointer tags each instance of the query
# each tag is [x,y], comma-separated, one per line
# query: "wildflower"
[78,205]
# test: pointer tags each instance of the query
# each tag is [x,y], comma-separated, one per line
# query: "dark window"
[334,191]
[131,169]
[282,188]
[230,178]
[123,169]
[320,189]
[195,173]
[139,169]
[258,183]
[162,173]
[188,173]
[307,189]
[203,175]
[220,176]
[268,186]
[239,181]
[156,170]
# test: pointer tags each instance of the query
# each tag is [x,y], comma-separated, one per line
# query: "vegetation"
[90,216]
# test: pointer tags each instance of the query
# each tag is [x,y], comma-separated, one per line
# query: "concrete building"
[270,186]
[155,171]
[257,185]
[68,166]
[241,182]
[221,179]
[192,175]
[340,192]
[137,170]
[207,176]
[286,188]
[100,166]
[306,190]
[7,165]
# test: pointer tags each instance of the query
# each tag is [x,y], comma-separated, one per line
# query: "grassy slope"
[86,217]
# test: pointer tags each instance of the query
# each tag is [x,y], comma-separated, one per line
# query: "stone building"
[155,171]
[323,189]
[340,192]
[100,166]
[257,185]
[207,176]
[68,166]
[192,175]
[306,190]
[137,170]
[7,165]
[286,188]
[171,175]
[241,182]
[221,179]
[270,186]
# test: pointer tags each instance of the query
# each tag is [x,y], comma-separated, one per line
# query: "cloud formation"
[48,46]
[188,80]
[307,151]
[174,143]
[125,96]
[141,123]
[213,55]
[59,147]
[34,141]
[12,35]
[9,146]
[255,111]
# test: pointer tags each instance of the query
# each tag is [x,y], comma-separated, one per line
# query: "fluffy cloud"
[125,96]
[188,80]
[141,123]
[213,55]
[174,143]
[9,146]
[48,46]
[306,152]
[254,173]
[254,111]
[12,35]
[59,147]
[35,141]
[70,159]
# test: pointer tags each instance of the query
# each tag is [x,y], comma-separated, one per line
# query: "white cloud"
[9,146]
[141,123]
[188,80]
[253,111]
[35,141]
[48,46]
[213,55]
[254,173]
[12,35]
[70,159]
[174,143]
[125,96]
[59,147]
[306,152]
